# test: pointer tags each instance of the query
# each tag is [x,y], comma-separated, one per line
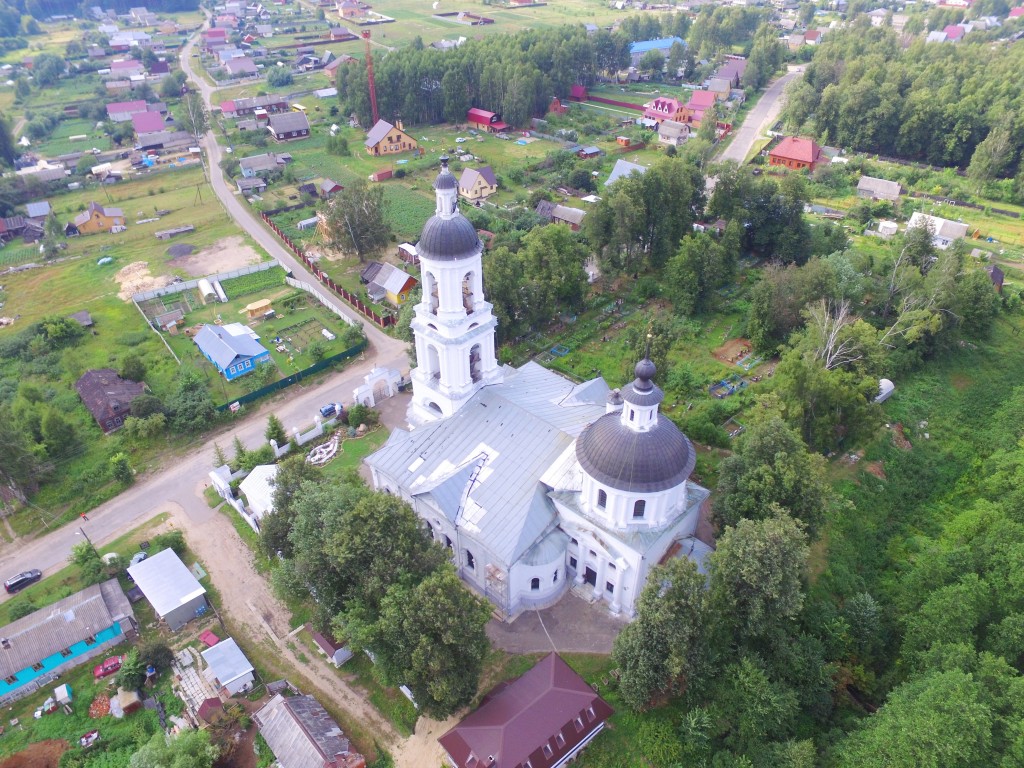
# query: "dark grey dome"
[635,462]
[448,239]
[644,371]
[446,180]
[642,397]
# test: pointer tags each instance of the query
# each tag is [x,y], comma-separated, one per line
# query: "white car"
[461,140]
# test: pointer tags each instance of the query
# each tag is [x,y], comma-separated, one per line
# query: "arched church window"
[638,508]
[534,584]
[602,498]
[470,560]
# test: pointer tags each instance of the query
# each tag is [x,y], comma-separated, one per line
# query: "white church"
[536,484]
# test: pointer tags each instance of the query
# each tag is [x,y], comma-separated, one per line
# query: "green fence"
[287,381]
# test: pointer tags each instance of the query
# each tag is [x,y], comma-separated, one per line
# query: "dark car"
[22,580]
[329,410]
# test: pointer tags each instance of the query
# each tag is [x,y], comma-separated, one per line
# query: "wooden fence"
[382,321]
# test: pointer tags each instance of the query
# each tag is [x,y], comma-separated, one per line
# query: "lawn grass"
[252,539]
[390,702]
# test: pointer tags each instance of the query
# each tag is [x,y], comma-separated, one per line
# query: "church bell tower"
[453,325]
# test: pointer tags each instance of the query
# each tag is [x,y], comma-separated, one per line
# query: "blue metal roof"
[662,44]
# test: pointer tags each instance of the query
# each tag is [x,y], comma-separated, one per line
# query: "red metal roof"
[701,100]
[541,717]
[147,122]
[481,116]
[797,149]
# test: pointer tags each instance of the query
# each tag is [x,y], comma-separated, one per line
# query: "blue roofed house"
[234,349]
[662,45]
[36,649]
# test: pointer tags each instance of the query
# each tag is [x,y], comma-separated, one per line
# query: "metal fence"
[295,377]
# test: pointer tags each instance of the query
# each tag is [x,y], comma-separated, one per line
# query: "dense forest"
[516,75]
[947,105]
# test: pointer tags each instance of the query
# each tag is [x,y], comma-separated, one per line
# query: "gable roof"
[391,278]
[258,487]
[879,186]
[225,343]
[226,661]
[37,210]
[701,100]
[62,624]
[670,129]
[268,161]
[116,107]
[147,122]
[301,734]
[943,229]
[165,581]
[518,719]
[797,149]
[380,129]
[241,66]
[567,214]
[105,394]
[624,168]
[470,176]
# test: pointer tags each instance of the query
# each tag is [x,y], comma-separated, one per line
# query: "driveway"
[759,119]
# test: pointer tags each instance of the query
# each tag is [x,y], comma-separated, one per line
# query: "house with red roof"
[147,122]
[487,121]
[1016,13]
[662,109]
[543,719]
[796,154]
[954,32]
[122,111]
[812,36]
[700,101]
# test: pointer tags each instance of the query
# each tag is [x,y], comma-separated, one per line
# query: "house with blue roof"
[662,45]
[234,349]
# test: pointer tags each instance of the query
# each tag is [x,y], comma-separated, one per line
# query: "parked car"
[108,667]
[329,410]
[22,580]
[137,558]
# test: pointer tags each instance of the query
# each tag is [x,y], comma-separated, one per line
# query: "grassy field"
[59,142]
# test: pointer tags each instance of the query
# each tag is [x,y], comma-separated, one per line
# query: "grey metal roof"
[630,460]
[624,168]
[224,347]
[37,210]
[445,178]
[288,121]
[482,467]
[165,581]
[62,624]
[227,662]
[300,732]
[547,549]
[379,131]
[448,239]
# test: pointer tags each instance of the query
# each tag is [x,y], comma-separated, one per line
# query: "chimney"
[398,124]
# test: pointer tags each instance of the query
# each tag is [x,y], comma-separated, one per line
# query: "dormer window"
[548,752]
[559,740]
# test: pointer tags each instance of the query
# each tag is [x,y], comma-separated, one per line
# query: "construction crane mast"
[369,77]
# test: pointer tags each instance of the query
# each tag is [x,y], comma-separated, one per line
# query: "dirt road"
[760,119]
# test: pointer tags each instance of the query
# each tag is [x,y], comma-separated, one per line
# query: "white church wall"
[619,505]
[552,582]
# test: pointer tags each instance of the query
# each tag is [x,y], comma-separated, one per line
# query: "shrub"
[173,540]
[361,414]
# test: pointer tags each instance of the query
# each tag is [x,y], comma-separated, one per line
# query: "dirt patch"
[136,278]
[226,254]
[900,439]
[180,249]
[733,350]
[42,754]
[876,469]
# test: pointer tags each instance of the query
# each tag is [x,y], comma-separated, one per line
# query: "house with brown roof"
[796,154]
[477,183]
[301,734]
[97,218]
[387,139]
[543,719]
[108,397]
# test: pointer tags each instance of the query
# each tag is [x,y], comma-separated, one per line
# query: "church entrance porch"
[590,577]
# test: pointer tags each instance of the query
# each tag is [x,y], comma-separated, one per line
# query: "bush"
[21,610]
[279,77]
[361,414]
[173,540]
[156,654]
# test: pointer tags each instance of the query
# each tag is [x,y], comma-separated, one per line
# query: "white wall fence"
[188,285]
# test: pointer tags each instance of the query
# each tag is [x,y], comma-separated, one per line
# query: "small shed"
[227,668]
[407,253]
[258,308]
[336,653]
[885,390]
[175,594]
[258,487]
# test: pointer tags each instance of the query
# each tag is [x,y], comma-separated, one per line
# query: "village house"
[288,126]
[699,103]
[544,718]
[147,122]
[329,189]
[248,186]
[124,69]
[477,183]
[665,108]
[96,218]
[301,734]
[108,397]
[561,214]
[944,232]
[242,107]
[122,111]
[623,168]
[486,121]
[233,348]
[227,669]
[673,133]
[390,284]
[61,636]
[797,154]
[407,253]
[268,162]
[879,189]
[336,652]
[387,139]
[721,87]
[732,70]
[241,67]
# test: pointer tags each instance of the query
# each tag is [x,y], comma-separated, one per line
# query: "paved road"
[760,118]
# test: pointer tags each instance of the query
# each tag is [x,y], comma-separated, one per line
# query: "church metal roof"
[448,239]
[482,467]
